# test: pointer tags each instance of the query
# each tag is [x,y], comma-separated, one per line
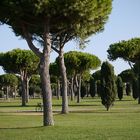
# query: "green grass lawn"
[88,120]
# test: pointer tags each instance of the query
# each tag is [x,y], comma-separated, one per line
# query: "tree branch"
[130,64]
[29,41]
[55,49]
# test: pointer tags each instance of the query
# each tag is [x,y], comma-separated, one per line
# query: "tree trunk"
[44,71]
[15,92]
[139,90]
[45,80]
[107,108]
[79,90]
[58,89]
[27,89]
[64,83]
[23,93]
[87,89]
[46,90]
[72,89]
[7,92]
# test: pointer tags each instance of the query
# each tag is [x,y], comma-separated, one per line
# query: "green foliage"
[18,60]
[8,80]
[72,16]
[78,62]
[38,20]
[93,89]
[86,76]
[120,87]
[135,88]
[127,50]
[128,89]
[136,68]
[35,84]
[108,87]
[54,69]
[99,88]
[97,75]
[127,75]
[83,90]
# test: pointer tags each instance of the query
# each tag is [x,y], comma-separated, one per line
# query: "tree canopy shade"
[38,20]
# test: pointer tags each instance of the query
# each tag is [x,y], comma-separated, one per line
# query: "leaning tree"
[129,51]
[38,20]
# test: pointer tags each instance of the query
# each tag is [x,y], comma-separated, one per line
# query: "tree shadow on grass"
[71,105]
[17,106]
[21,128]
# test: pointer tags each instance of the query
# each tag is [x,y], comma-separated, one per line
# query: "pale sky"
[123,24]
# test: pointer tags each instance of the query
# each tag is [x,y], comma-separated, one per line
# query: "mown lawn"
[86,121]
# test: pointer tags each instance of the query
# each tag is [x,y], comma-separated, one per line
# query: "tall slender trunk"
[58,89]
[46,90]
[7,92]
[139,89]
[15,92]
[87,90]
[79,90]
[72,89]
[23,91]
[64,83]
[27,89]
[45,80]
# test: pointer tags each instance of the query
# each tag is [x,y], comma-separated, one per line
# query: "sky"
[123,24]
